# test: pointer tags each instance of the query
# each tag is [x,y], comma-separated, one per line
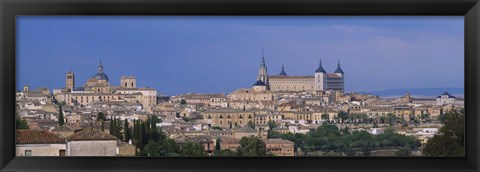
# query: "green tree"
[135,133]
[21,123]
[349,152]
[141,135]
[226,152]
[61,119]
[126,131]
[217,144]
[251,124]
[119,129]
[192,149]
[153,148]
[154,134]
[425,116]
[271,125]
[449,141]
[183,101]
[100,116]
[103,127]
[251,146]
[216,128]
[110,130]
[403,152]
[324,117]
[342,115]
[113,127]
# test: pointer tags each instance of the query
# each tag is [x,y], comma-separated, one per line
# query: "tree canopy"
[21,123]
[328,138]
[251,146]
[449,141]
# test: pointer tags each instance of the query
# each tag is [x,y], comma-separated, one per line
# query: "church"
[98,89]
[319,81]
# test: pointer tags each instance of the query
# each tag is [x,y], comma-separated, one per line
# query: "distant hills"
[418,92]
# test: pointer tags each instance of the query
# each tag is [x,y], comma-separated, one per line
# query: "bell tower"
[70,80]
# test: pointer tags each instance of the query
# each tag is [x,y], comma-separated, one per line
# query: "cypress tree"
[111,126]
[147,130]
[61,121]
[114,127]
[141,134]
[126,131]
[135,133]
[119,129]
[103,127]
[154,135]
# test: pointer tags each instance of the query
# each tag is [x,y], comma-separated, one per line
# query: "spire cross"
[263,58]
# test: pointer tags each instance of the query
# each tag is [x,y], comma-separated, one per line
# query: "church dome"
[100,75]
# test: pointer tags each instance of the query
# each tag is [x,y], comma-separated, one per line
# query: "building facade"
[320,81]
[98,89]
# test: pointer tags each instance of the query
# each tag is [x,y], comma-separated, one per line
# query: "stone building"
[320,81]
[228,117]
[279,147]
[39,143]
[91,142]
[98,89]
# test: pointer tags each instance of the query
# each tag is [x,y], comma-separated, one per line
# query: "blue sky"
[181,54]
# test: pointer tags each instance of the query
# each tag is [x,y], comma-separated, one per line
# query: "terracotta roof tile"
[37,137]
[90,134]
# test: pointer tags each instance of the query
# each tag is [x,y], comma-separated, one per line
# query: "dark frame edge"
[472,44]
[6,153]
[9,162]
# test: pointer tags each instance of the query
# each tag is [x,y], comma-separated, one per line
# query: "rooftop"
[37,137]
[90,134]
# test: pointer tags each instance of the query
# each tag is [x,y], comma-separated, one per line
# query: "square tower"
[70,80]
[128,82]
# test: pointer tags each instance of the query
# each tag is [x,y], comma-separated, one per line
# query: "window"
[61,152]
[28,152]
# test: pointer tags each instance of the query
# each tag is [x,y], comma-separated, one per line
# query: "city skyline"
[221,54]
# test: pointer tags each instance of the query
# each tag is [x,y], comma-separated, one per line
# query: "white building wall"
[320,81]
[40,149]
[92,148]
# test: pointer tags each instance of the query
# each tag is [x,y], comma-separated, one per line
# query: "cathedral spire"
[339,69]
[100,67]
[262,71]
[263,58]
[320,68]
[283,71]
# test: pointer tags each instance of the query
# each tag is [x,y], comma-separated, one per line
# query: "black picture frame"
[9,9]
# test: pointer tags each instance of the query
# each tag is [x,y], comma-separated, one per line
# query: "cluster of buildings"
[281,103]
